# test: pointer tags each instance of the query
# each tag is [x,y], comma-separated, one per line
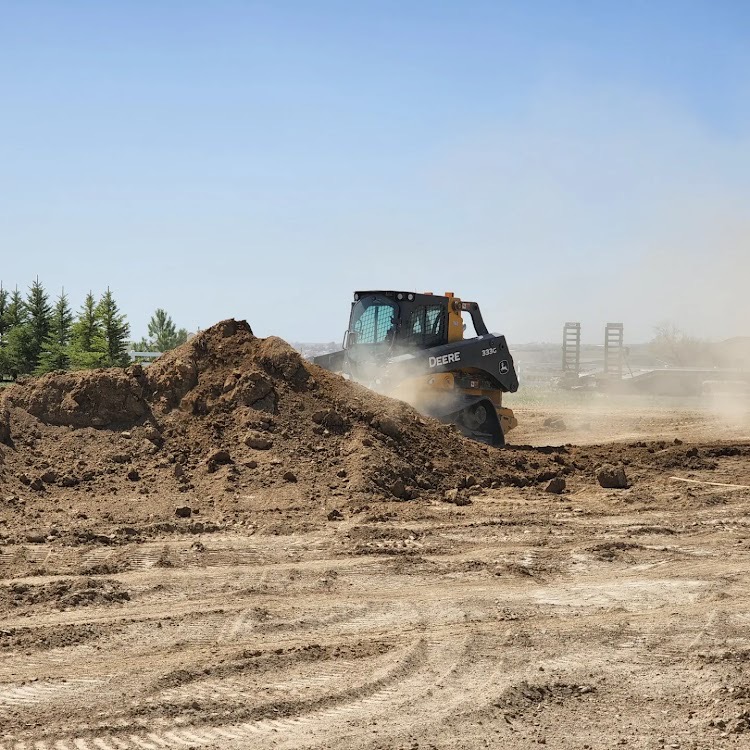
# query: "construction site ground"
[595,618]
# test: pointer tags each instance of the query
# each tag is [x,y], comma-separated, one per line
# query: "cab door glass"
[426,326]
[374,320]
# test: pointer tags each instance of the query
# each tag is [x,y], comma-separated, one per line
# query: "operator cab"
[404,321]
[387,324]
[396,320]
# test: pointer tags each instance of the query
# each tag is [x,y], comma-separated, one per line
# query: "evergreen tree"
[55,355]
[144,345]
[87,347]
[31,320]
[163,333]
[16,336]
[4,330]
[19,350]
[16,310]
[4,322]
[115,331]
[40,322]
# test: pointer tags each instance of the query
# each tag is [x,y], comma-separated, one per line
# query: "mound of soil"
[98,398]
[225,425]
[63,594]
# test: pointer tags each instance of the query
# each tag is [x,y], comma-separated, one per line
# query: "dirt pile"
[62,593]
[99,398]
[227,423]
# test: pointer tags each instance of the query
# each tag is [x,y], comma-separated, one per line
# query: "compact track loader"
[411,346]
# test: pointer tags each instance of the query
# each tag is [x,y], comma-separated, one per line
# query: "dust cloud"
[599,206]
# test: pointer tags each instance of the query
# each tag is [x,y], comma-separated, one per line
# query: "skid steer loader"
[411,346]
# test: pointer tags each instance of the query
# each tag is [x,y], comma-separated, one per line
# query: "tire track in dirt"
[399,679]
[44,692]
[203,551]
[395,680]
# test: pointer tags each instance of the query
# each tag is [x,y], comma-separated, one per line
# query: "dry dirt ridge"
[174,575]
[226,425]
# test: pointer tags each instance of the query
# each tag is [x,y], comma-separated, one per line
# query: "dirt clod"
[612,477]
[388,426]
[258,441]
[556,485]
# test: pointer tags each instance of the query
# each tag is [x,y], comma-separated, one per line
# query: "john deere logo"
[504,367]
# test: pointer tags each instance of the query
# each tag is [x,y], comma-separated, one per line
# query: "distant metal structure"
[613,350]
[571,353]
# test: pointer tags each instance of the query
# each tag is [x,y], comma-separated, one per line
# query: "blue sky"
[552,160]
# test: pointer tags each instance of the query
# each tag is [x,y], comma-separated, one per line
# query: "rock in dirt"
[289,476]
[220,457]
[469,481]
[258,441]
[398,489]
[556,486]
[183,511]
[217,458]
[612,477]
[49,476]
[456,497]
[388,427]
[331,420]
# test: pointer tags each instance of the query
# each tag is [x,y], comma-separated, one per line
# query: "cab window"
[374,320]
[426,326]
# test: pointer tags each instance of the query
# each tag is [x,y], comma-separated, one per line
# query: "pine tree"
[144,345]
[4,322]
[16,310]
[115,331]
[87,347]
[40,322]
[19,351]
[32,319]
[55,355]
[4,329]
[163,333]
[16,337]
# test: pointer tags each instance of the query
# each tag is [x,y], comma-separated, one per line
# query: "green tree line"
[39,334]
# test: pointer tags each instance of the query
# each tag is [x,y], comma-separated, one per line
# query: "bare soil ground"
[595,618]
